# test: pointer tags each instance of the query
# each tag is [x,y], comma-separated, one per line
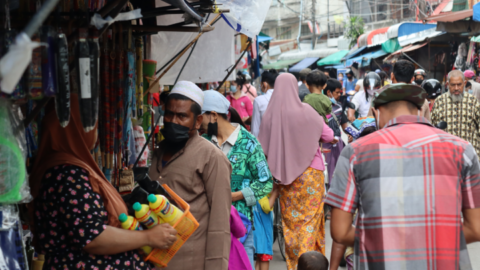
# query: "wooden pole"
[172,28]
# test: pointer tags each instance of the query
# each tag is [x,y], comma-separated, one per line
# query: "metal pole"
[233,68]
[41,15]
[404,54]
[328,19]
[300,25]
[429,60]
[314,26]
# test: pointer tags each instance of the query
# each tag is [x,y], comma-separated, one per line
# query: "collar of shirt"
[408,119]
[231,139]
[269,91]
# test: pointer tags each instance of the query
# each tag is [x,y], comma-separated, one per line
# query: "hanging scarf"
[71,145]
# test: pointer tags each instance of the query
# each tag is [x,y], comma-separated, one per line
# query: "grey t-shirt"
[303,91]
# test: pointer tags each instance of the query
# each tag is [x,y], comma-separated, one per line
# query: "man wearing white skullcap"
[200,174]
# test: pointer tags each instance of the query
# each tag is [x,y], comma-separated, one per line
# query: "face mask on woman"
[233,89]
[370,92]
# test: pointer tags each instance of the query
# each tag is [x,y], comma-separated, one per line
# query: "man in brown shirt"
[200,174]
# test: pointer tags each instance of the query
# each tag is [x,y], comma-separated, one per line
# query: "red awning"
[450,16]
[409,48]
[377,36]
[440,7]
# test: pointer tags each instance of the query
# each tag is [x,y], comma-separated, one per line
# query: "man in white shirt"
[260,103]
[363,99]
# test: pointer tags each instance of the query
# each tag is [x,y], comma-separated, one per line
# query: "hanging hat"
[215,102]
[190,90]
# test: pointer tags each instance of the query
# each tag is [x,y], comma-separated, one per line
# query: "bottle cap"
[122,217]
[152,198]
[137,206]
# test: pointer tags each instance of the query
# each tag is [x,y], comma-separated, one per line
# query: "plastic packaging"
[48,61]
[12,248]
[145,216]
[16,61]
[169,213]
[13,185]
[130,223]
[245,16]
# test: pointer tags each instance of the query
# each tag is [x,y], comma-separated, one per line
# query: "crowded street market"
[240,134]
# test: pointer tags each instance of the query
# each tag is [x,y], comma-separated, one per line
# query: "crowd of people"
[403,193]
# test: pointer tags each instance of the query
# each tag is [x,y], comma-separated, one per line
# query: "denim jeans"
[250,247]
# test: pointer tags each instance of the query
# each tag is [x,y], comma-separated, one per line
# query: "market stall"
[106,58]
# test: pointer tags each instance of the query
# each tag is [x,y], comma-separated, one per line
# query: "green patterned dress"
[250,170]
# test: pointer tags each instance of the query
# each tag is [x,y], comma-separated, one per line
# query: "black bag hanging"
[82,59]
[62,97]
[95,74]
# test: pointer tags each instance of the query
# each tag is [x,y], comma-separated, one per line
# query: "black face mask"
[419,82]
[212,129]
[175,133]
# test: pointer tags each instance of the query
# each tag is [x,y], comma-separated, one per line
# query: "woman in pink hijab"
[291,134]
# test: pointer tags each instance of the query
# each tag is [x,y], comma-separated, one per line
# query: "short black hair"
[367,131]
[403,71]
[393,105]
[332,85]
[383,75]
[195,108]
[312,260]
[468,84]
[316,78]
[269,76]
[241,79]
[164,97]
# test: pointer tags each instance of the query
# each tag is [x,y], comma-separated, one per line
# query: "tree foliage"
[355,28]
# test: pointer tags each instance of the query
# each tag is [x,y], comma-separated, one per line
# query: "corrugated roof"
[451,16]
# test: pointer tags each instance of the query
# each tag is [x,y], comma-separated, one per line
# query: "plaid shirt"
[409,182]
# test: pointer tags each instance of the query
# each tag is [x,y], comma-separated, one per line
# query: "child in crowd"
[316,82]
[263,233]
[312,260]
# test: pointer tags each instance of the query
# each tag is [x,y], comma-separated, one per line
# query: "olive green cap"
[400,91]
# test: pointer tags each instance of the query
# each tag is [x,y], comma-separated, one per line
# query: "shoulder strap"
[248,90]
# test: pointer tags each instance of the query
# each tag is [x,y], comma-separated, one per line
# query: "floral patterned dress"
[69,215]
[302,215]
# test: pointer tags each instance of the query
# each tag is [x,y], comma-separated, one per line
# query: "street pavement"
[279,264]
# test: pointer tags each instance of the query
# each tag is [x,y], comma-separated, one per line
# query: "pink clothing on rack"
[327,136]
[140,141]
[243,105]
[250,91]
[238,256]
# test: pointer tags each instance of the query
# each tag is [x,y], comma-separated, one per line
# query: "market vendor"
[200,174]
[74,217]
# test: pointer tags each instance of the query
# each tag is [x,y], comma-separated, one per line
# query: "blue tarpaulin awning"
[305,63]
[263,39]
[354,53]
[365,59]
[335,67]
